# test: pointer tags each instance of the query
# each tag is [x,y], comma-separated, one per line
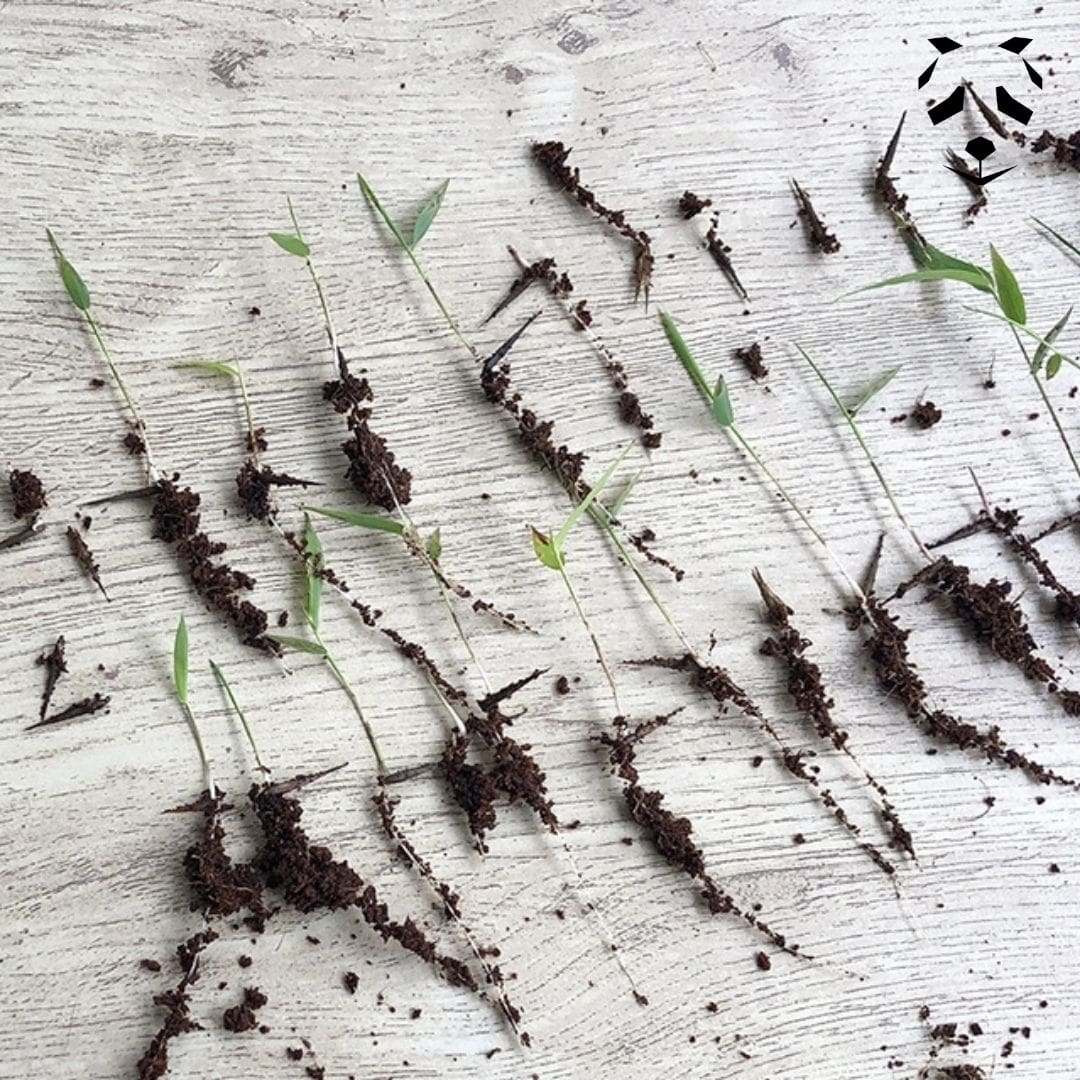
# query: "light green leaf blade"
[433,547]
[372,198]
[575,515]
[427,213]
[682,351]
[1009,296]
[363,521]
[620,500]
[873,390]
[722,410]
[936,259]
[215,367]
[312,565]
[1045,346]
[975,279]
[180,661]
[298,644]
[76,287]
[545,550]
[292,244]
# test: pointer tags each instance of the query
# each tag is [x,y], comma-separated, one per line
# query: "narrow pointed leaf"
[363,521]
[722,410]
[372,198]
[976,279]
[1065,242]
[76,287]
[546,551]
[292,244]
[872,390]
[594,492]
[1009,295]
[312,565]
[620,499]
[298,644]
[212,366]
[427,214]
[682,351]
[936,259]
[1054,364]
[180,660]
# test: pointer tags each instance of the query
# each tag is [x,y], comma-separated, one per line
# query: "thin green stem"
[592,637]
[760,462]
[451,322]
[448,601]
[1048,403]
[247,413]
[1027,331]
[224,684]
[208,778]
[855,430]
[373,742]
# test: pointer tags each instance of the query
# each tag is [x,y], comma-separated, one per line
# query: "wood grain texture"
[160,141]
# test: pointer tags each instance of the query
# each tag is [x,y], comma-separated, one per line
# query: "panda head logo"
[981,148]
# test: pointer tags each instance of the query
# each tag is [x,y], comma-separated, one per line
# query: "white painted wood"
[160,141]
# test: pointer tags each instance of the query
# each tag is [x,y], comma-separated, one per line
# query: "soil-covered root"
[55,664]
[670,834]
[816,230]
[890,196]
[886,644]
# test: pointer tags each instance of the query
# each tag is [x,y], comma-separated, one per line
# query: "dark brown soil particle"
[27,494]
[55,664]
[750,357]
[351,981]
[670,834]
[925,414]
[818,234]
[690,205]
[135,444]
[242,1017]
[175,518]
[763,961]
[551,157]
[562,685]
[150,965]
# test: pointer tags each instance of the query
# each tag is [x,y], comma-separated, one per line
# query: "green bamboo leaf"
[76,287]
[682,351]
[975,278]
[372,198]
[299,644]
[872,390]
[213,366]
[292,244]
[180,661]
[545,550]
[1009,296]
[722,410]
[936,259]
[363,521]
[312,567]
[427,214]
[1054,364]
[433,547]
[575,515]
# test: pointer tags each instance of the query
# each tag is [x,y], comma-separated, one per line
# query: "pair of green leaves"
[717,396]
[76,287]
[550,549]
[423,220]
[313,564]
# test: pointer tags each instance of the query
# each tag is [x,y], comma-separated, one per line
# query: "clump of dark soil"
[816,231]
[891,197]
[255,484]
[176,1003]
[886,644]
[670,834]
[134,443]
[510,770]
[560,286]
[175,517]
[85,558]
[242,1017]
[995,620]
[373,469]
[536,437]
[750,357]
[925,414]
[27,494]
[55,664]
[690,205]
[807,689]
[551,157]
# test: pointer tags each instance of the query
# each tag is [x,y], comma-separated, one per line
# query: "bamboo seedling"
[1001,285]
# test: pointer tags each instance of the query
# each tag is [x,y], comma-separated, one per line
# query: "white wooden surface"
[160,141]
